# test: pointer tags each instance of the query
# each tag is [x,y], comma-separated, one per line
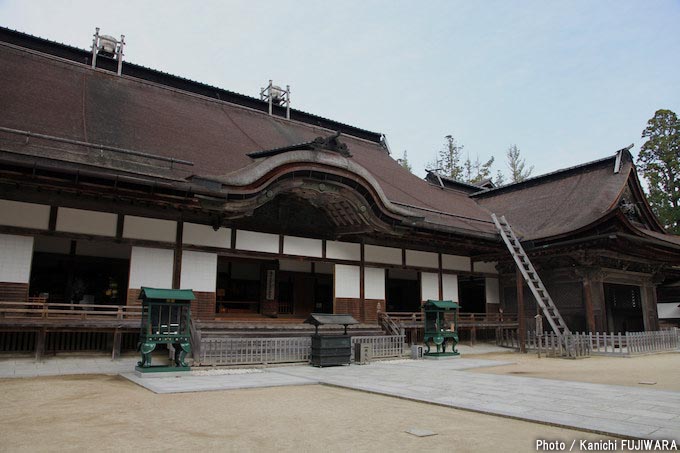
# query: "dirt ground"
[664,369]
[109,413]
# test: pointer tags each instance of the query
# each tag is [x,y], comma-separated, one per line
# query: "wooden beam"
[521,317]
[52,225]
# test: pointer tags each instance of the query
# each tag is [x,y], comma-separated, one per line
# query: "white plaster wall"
[343,250]
[450,287]
[151,267]
[486,266]
[16,253]
[347,281]
[668,311]
[150,229]
[293,245]
[24,215]
[103,249]
[456,263]
[379,254]
[86,222]
[295,266]
[374,283]
[429,286]
[422,259]
[195,234]
[199,271]
[257,242]
[492,290]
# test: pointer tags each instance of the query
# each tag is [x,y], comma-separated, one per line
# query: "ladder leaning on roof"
[531,277]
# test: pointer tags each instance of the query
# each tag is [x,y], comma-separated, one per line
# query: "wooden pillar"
[117,337]
[521,318]
[650,315]
[40,344]
[177,265]
[588,300]
[362,285]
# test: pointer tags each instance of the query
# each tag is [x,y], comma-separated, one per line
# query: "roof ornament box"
[109,47]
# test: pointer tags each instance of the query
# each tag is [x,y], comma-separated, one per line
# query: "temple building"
[114,176]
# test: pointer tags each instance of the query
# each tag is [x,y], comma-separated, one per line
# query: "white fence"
[256,351]
[584,344]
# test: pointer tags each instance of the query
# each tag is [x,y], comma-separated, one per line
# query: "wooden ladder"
[531,277]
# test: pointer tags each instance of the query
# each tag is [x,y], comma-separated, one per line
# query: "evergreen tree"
[659,162]
[517,165]
[448,160]
[404,162]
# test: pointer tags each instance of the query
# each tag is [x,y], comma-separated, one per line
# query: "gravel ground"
[109,413]
[661,369]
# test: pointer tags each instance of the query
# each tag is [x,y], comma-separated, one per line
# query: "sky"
[566,81]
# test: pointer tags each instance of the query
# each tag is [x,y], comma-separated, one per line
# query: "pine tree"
[404,162]
[659,162]
[517,165]
[448,160]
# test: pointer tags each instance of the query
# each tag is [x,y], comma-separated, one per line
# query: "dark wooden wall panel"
[14,292]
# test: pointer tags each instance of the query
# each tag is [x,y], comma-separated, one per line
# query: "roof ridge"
[200,88]
[548,176]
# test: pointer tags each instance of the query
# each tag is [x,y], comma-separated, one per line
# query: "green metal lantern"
[166,318]
[437,331]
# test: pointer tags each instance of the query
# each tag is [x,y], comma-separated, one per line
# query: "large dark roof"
[563,202]
[48,94]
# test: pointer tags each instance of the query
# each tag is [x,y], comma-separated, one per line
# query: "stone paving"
[610,409]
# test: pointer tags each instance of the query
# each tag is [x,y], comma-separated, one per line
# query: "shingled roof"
[61,97]
[558,204]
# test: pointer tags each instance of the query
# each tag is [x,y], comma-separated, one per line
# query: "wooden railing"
[37,307]
[464,319]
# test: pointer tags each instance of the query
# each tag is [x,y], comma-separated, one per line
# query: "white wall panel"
[199,271]
[151,267]
[456,263]
[195,234]
[486,266]
[492,290]
[347,281]
[379,254]
[429,286]
[86,222]
[668,311]
[257,242]
[150,229]
[374,283]
[343,250]
[295,266]
[450,287]
[24,215]
[422,259]
[302,246]
[16,253]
